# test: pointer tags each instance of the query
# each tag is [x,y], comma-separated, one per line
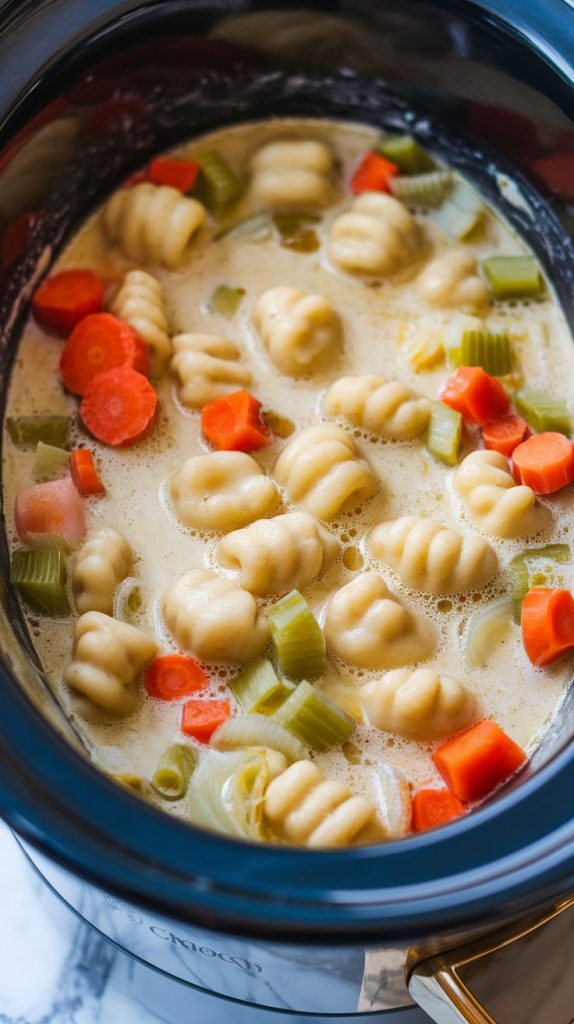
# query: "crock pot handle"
[521,974]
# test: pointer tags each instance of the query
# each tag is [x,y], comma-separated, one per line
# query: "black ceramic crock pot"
[88,91]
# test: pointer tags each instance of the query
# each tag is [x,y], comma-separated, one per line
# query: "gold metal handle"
[521,974]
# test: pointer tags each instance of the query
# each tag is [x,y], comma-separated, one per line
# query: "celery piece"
[422,189]
[444,433]
[461,211]
[173,772]
[226,300]
[40,576]
[257,731]
[128,600]
[130,780]
[298,641]
[536,567]
[28,430]
[259,689]
[216,184]
[48,542]
[49,462]
[542,412]
[256,228]
[512,277]
[315,719]
[483,348]
[485,629]
[296,231]
[406,153]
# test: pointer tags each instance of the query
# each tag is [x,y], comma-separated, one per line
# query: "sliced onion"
[257,731]
[393,799]
[485,630]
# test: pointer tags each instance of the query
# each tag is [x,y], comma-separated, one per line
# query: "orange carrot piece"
[171,676]
[200,718]
[505,434]
[233,423]
[545,462]
[435,807]
[84,472]
[373,174]
[98,343]
[478,761]
[63,300]
[119,406]
[54,508]
[181,174]
[478,397]
[547,621]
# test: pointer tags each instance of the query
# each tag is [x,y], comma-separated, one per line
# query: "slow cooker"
[457,920]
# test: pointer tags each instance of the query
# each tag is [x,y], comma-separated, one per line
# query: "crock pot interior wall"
[434,58]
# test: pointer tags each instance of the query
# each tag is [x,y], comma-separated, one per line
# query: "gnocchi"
[208,366]
[221,491]
[140,302]
[301,332]
[293,174]
[153,224]
[501,507]
[451,281]
[421,705]
[378,405]
[102,562]
[377,235]
[369,626]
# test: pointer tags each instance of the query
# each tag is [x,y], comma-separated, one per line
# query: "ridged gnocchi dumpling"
[378,405]
[273,556]
[369,626]
[292,174]
[100,565]
[500,506]
[208,366]
[377,235]
[221,491]
[301,332]
[304,807]
[107,661]
[431,557]
[451,281]
[213,618]
[420,705]
[140,302]
[153,223]
[321,470]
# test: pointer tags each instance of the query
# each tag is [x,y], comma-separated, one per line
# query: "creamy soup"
[312,290]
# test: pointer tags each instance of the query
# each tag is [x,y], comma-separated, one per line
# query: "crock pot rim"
[550,861]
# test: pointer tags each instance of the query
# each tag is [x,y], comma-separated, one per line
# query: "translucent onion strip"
[243,731]
[485,630]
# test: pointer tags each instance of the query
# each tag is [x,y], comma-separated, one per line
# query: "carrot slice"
[545,462]
[478,761]
[84,472]
[200,718]
[181,174]
[505,434]
[373,174]
[63,300]
[54,508]
[119,406]
[172,676]
[99,343]
[435,807]
[233,423]
[475,395]
[547,621]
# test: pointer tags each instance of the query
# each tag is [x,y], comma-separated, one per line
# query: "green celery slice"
[422,189]
[406,153]
[128,600]
[297,638]
[460,213]
[315,719]
[512,277]
[259,689]
[296,231]
[226,300]
[256,228]
[28,430]
[173,772]
[49,461]
[536,567]
[248,731]
[444,433]
[216,183]
[484,630]
[483,348]
[542,412]
[40,576]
